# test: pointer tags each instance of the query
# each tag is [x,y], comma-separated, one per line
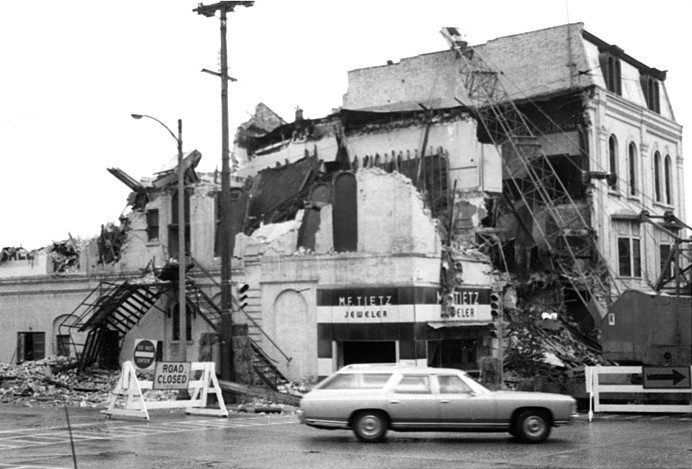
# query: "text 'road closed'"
[172,375]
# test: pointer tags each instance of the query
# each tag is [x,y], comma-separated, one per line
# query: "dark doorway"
[109,352]
[369,352]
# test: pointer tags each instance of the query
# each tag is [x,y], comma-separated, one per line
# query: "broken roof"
[263,121]
[164,177]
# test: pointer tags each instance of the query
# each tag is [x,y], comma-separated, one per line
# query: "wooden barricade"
[127,399]
[631,385]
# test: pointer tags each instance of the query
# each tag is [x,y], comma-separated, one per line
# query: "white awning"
[441,324]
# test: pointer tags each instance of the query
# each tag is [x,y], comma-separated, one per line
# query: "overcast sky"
[74,71]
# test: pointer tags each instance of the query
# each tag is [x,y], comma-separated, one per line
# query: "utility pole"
[182,254]
[227,368]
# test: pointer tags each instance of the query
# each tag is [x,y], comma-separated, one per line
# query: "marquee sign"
[470,304]
[400,304]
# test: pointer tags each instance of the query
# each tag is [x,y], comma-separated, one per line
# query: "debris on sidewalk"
[54,381]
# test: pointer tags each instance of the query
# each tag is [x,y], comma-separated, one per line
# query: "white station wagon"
[371,399]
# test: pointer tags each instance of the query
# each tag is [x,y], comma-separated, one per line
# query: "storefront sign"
[366,307]
[401,305]
[469,304]
[375,304]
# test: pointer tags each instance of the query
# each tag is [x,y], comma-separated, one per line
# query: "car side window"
[356,381]
[413,384]
[340,381]
[451,384]
[374,380]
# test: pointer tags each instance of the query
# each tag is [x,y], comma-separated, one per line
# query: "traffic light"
[495,305]
[501,329]
[242,295]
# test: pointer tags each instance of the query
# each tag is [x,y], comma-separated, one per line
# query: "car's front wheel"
[370,426]
[532,426]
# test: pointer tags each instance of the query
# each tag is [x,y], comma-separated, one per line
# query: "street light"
[182,312]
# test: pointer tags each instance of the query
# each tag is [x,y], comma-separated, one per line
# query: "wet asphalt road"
[39,438]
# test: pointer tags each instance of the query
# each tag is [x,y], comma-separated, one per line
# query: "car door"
[411,403]
[460,407]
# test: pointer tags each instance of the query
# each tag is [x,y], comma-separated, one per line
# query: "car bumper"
[320,423]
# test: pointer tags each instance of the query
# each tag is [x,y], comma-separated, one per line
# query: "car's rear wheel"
[532,426]
[370,426]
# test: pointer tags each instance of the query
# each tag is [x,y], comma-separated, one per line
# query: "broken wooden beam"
[263,393]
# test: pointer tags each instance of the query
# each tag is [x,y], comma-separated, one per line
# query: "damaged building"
[436,218]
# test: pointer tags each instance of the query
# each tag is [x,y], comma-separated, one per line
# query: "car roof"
[380,367]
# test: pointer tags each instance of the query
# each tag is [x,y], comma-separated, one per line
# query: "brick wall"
[532,63]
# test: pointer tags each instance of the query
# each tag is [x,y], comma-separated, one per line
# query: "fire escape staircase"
[112,309]
[107,314]
[569,238]
[263,365]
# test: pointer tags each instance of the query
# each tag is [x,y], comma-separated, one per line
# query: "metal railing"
[237,307]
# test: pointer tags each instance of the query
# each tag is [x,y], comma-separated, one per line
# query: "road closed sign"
[144,354]
[172,375]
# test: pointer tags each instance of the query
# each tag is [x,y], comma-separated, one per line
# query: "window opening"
[31,346]
[345,213]
[633,169]
[173,247]
[667,269]
[152,225]
[667,179]
[62,342]
[629,250]
[651,89]
[610,65]
[613,159]
[657,176]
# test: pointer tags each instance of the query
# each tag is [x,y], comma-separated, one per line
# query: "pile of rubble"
[54,381]
[64,255]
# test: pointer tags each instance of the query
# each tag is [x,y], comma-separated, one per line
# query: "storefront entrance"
[367,352]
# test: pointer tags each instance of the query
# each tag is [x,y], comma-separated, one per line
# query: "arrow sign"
[656,377]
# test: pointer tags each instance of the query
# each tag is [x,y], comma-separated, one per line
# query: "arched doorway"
[290,318]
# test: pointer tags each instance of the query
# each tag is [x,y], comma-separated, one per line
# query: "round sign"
[145,354]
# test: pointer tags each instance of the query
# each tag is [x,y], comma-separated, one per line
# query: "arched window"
[668,180]
[632,163]
[613,159]
[345,213]
[657,176]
